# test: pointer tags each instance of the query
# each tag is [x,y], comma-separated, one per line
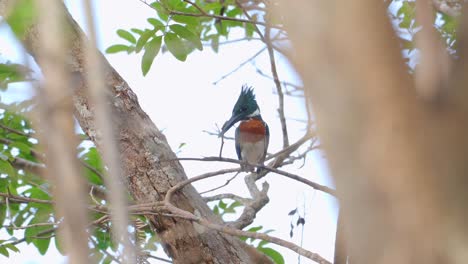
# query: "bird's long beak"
[228,124]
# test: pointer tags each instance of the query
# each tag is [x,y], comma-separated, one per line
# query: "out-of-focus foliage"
[11,73]
[403,15]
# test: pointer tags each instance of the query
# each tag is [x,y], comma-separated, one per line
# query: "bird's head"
[245,108]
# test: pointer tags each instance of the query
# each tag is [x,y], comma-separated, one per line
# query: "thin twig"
[158,258]
[28,226]
[196,6]
[221,186]
[231,196]
[23,199]
[240,233]
[45,232]
[312,184]
[181,184]
[178,13]
[240,66]
[107,253]
[18,132]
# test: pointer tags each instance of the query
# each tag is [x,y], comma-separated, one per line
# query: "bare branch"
[28,226]
[221,186]
[23,199]
[18,132]
[239,233]
[226,196]
[182,184]
[280,172]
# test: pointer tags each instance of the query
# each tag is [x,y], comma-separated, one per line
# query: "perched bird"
[252,134]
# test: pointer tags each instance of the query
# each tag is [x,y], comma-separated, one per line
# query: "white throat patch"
[256,113]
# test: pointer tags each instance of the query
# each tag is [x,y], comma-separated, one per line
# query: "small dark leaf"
[293,212]
[300,221]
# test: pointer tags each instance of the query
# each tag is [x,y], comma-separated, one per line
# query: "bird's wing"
[267,140]
[238,148]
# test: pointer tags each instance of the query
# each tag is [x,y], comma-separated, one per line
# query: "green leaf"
[215,43]
[116,48]
[22,16]
[273,254]
[126,35]
[107,260]
[6,168]
[93,159]
[162,12]
[144,39]
[262,243]
[184,33]
[222,204]
[216,210]
[189,20]
[3,210]
[255,229]
[38,193]
[25,148]
[58,245]
[32,232]
[4,251]
[11,247]
[42,244]
[175,46]
[137,31]
[151,50]
[103,239]
[450,24]
[156,23]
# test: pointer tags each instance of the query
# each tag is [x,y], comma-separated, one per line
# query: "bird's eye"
[243,109]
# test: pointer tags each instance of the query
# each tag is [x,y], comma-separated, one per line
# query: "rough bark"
[146,160]
[399,161]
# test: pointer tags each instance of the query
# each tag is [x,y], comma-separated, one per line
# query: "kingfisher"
[252,134]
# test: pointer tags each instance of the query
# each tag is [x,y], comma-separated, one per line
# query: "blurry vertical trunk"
[399,162]
[57,132]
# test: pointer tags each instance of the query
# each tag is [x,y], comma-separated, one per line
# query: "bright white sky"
[182,101]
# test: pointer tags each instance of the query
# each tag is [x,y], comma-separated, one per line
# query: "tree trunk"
[399,160]
[147,160]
